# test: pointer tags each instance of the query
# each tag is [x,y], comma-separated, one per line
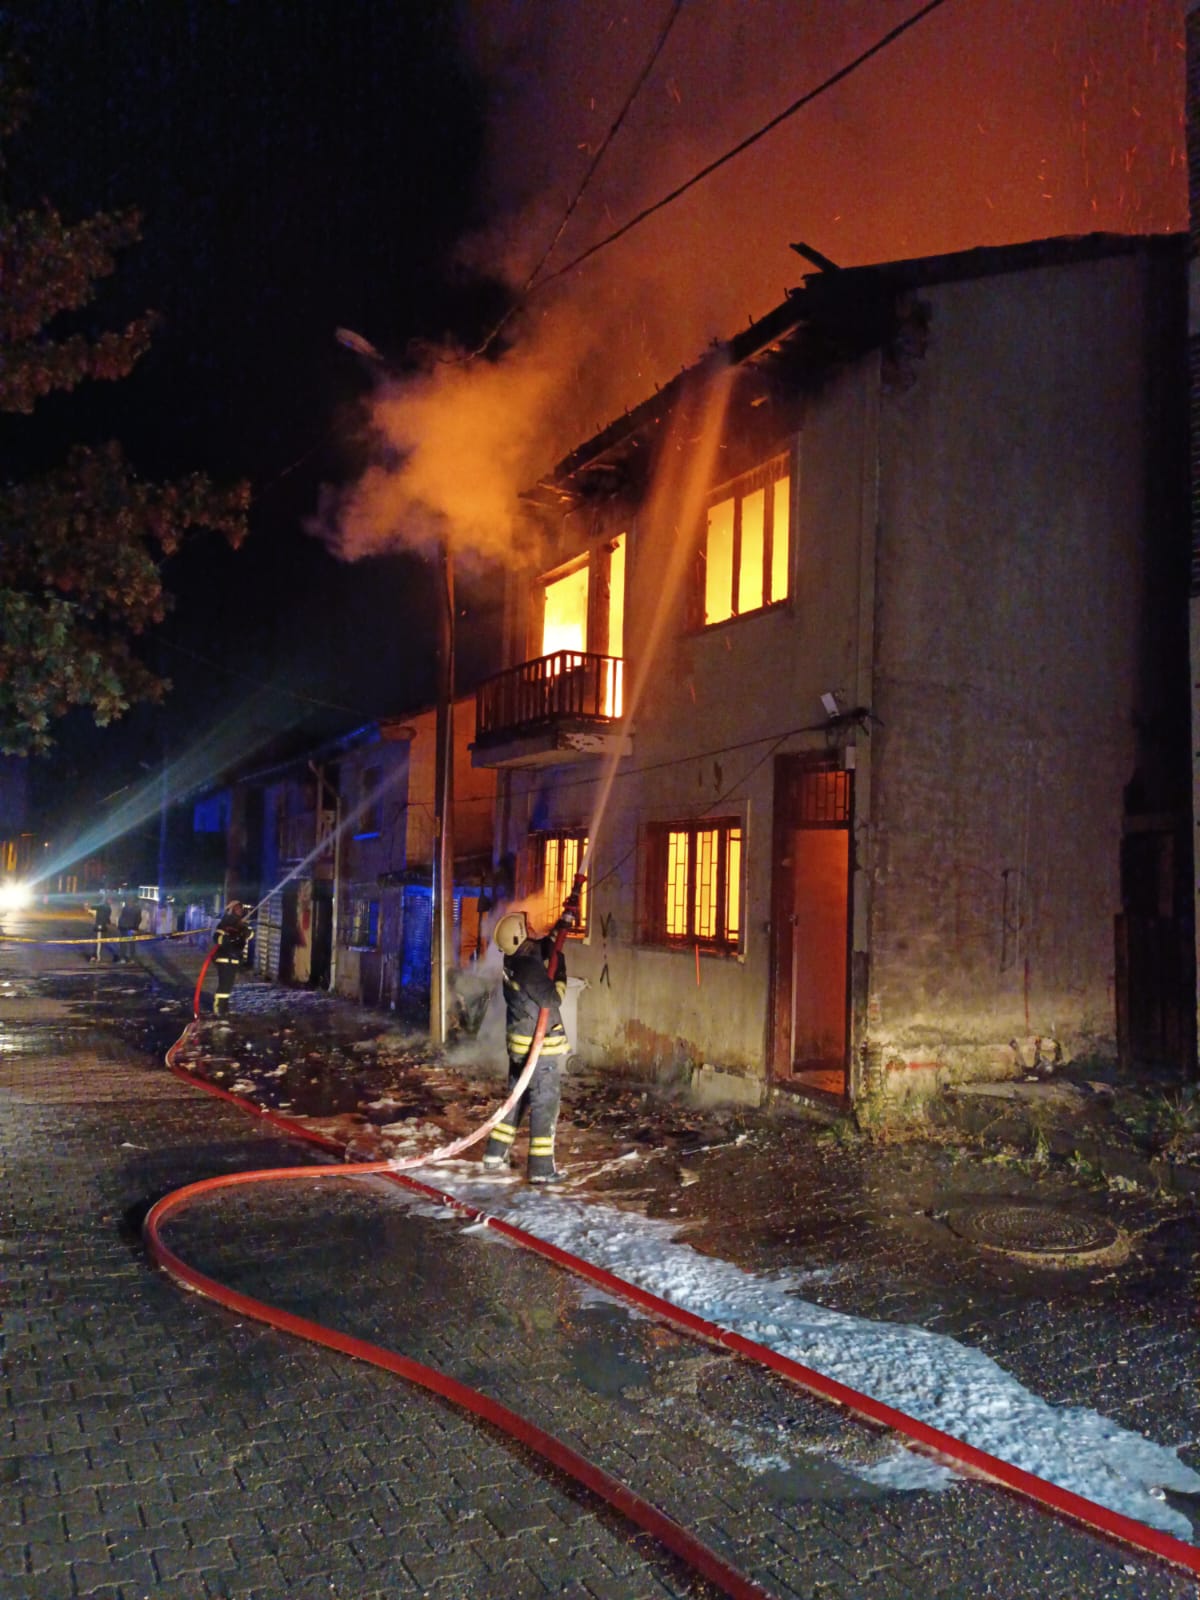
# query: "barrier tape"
[111,938]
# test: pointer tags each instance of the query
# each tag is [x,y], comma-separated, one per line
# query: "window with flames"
[693,884]
[745,556]
[553,861]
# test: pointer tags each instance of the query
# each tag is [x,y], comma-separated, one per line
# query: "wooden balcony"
[561,707]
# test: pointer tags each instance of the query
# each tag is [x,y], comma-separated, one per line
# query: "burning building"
[855,677]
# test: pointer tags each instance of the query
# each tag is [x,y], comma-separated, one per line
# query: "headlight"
[13,896]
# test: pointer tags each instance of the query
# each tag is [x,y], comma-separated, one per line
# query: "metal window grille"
[821,798]
[554,861]
[694,883]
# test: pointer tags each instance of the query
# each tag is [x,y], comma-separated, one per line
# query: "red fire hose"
[966,1457]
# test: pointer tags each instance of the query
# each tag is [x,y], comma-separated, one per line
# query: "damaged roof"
[836,314]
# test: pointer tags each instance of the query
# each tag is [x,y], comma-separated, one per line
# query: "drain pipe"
[324,784]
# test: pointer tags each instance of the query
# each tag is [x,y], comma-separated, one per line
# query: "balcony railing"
[570,684]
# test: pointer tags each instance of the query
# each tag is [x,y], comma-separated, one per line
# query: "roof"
[836,313]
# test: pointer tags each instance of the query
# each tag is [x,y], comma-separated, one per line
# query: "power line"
[262,683]
[634,91]
[760,133]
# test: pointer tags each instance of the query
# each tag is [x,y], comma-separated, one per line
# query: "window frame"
[370,799]
[730,855]
[362,922]
[598,559]
[776,469]
[534,888]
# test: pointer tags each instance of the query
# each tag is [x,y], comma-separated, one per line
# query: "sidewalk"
[156,1447]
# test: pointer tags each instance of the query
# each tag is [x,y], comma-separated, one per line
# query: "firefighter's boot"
[498,1151]
[541,1160]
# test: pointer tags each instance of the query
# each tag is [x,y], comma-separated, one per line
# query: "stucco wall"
[474,788]
[1010,612]
[718,706]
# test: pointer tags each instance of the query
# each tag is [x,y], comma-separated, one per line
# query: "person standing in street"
[101,924]
[528,988]
[128,923]
[231,937]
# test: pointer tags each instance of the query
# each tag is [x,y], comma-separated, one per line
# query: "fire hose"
[671,1534]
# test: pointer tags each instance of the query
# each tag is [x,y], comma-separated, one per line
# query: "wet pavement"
[157,1446]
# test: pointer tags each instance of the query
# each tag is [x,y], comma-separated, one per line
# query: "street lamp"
[441,940]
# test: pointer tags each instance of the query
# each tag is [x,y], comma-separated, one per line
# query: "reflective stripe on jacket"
[527,988]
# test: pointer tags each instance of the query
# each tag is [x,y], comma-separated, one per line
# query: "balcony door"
[565,612]
[582,622]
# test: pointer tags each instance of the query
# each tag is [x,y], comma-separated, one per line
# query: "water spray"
[681,484]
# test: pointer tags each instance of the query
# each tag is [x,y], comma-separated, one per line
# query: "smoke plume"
[989,122]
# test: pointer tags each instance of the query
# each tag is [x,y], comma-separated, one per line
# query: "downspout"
[323,785]
[862,1070]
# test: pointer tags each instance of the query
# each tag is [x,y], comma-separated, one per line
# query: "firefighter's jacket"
[231,937]
[527,988]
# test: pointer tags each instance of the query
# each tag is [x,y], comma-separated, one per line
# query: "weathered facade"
[336,845]
[384,930]
[860,820]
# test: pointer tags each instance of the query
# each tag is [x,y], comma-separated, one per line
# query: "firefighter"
[102,916]
[233,933]
[527,988]
[128,923]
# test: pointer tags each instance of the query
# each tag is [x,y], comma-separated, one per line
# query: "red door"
[810,925]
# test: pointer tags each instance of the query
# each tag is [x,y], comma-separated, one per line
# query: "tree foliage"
[80,547]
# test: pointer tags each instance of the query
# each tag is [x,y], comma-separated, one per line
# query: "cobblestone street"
[156,1446]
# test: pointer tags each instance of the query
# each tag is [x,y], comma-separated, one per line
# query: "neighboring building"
[901,795]
[405,886]
[335,846]
[19,845]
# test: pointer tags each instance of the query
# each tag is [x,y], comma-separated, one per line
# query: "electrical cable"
[263,683]
[790,111]
[524,291]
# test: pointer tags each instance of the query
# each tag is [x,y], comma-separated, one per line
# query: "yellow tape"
[111,938]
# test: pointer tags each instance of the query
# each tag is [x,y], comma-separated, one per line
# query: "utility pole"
[324,787]
[163,804]
[441,931]
[441,940]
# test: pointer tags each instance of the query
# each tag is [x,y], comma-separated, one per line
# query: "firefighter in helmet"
[528,988]
[231,936]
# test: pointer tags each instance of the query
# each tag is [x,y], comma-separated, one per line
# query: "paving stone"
[200,1458]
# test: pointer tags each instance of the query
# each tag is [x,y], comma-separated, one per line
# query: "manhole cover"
[1038,1232]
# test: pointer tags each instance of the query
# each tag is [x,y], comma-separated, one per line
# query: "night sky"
[387,167]
[298,167]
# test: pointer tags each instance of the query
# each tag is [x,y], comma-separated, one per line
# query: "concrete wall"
[1010,626]
[970,556]
[474,788]
[718,706]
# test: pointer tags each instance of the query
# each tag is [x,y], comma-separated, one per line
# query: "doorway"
[810,926]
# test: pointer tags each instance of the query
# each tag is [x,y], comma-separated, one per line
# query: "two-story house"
[335,844]
[854,672]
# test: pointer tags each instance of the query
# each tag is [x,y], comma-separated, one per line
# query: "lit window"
[694,883]
[362,931]
[747,544]
[555,860]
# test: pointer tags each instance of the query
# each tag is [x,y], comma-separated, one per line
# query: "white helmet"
[511,932]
